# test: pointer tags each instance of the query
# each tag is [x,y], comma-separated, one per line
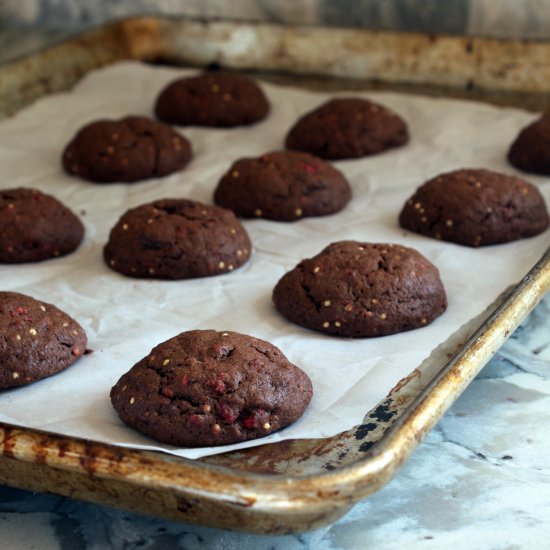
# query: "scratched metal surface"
[506,72]
[293,485]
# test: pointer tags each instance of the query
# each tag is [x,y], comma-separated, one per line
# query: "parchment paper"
[124,318]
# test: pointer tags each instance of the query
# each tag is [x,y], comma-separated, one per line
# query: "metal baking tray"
[295,485]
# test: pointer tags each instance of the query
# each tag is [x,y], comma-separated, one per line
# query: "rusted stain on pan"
[452,61]
[60,66]
[432,62]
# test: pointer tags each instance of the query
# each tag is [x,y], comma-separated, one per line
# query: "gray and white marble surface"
[480,479]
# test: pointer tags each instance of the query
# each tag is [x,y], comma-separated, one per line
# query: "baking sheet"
[124,318]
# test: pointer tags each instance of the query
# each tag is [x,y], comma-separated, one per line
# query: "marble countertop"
[480,479]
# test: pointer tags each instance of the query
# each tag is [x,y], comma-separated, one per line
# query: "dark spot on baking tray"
[366,446]
[63,446]
[8,443]
[186,504]
[364,429]
[93,455]
[40,449]
[88,460]
[382,413]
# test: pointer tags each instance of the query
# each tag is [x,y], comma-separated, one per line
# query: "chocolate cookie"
[177,239]
[37,340]
[35,227]
[475,208]
[347,128]
[126,150]
[530,151]
[205,388]
[284,186]
[361,290]
[212,99]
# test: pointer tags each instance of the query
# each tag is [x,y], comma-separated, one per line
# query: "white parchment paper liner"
[124,318]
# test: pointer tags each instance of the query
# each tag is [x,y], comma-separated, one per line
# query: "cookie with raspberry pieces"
[476,207]
[348,127]
[530,151]
[36,227]
[218,100]
[37,340]
[208,388]
[177,239]
[128,150]
[361,290]
[283,186]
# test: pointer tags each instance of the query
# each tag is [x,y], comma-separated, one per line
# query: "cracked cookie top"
[283,186]
[177,239]
[360,290]
[206,388]
[212,99]
[347,127]
[36,340]
[126,150]
[475,208]
[35,227]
